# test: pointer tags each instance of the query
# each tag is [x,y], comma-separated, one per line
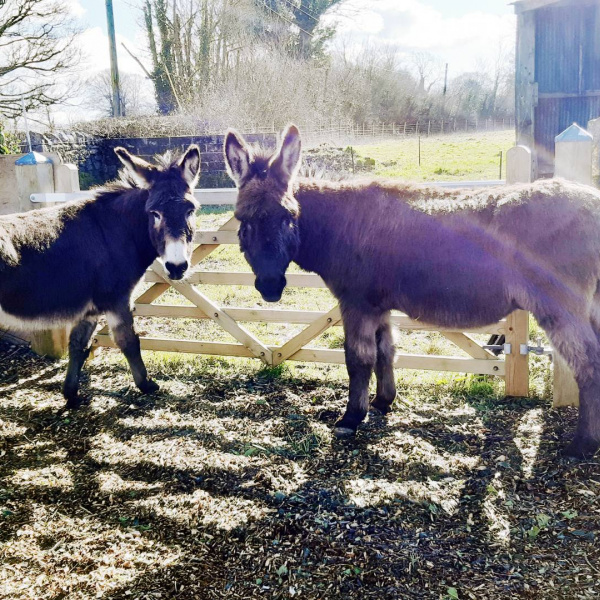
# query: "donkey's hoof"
[74,401]
[381,407]
[343,432]
[149,387]
[580,449]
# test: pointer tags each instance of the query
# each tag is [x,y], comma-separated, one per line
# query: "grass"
[461,156]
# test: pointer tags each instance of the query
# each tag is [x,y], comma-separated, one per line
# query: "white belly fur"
[8,321]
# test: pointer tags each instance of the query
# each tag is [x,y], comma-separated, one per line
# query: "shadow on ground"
[229,485]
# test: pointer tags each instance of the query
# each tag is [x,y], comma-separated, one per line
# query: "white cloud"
[75,8]
[94,45]
[412,26]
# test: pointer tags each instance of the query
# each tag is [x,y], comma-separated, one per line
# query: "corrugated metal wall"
[567,70]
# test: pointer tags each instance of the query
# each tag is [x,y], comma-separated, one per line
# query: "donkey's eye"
[190,214]
[157,218]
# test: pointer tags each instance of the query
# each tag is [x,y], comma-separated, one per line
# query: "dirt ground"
[228,484]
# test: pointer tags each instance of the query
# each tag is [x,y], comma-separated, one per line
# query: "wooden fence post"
[518,170]
[517,364]
[593,127]
[573,160]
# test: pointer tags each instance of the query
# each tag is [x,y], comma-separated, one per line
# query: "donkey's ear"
[190,165]
[143,172]
[286,163]
[238,156]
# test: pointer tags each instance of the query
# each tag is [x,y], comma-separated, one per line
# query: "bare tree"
[36,49]
[135,99]
[501,69]
[429,70]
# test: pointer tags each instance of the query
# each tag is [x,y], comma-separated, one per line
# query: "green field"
[460,156]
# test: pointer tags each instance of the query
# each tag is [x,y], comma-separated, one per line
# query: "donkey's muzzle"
[176,271]
[271,289]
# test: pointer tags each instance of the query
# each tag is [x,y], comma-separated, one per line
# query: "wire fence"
[312,133]
[366,131]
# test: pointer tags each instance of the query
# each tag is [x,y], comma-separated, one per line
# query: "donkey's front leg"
[79,350]
[384,367]
[120,322]
[361,354]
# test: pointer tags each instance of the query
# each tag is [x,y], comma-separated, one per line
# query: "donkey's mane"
[126,182]
[260,160]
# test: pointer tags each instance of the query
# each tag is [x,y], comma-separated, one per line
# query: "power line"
[286,19]
[302,11]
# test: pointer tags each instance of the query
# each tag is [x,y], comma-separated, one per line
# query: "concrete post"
[573,156]
[66,178]
[519,165]
[35,173]
[9,198]
[574,148]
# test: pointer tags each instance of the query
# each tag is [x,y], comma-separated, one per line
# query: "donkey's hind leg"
[361,355]
[579,344]
[120,322]
[384,366]
[79,350]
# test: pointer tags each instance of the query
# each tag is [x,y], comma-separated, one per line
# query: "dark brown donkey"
[457,259]
[68,265]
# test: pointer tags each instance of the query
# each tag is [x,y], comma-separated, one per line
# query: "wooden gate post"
[519,169]
[573,160]
[593,127]
[516,363]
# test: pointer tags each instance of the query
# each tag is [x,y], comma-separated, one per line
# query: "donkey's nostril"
[176,271]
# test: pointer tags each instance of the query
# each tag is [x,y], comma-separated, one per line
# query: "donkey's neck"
[319,214]
[130,209]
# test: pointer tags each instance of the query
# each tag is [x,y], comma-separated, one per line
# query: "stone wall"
[98,163]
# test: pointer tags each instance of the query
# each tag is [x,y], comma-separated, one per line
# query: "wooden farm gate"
[513,367]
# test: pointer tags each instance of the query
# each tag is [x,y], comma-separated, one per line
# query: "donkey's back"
[58,263]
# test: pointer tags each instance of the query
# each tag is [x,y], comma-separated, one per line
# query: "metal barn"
[557,72]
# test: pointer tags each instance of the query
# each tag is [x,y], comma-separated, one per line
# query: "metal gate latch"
[539,349]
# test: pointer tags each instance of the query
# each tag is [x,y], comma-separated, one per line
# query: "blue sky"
[126,16]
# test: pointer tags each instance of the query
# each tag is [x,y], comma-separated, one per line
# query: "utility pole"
[446,80]
[114,67]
